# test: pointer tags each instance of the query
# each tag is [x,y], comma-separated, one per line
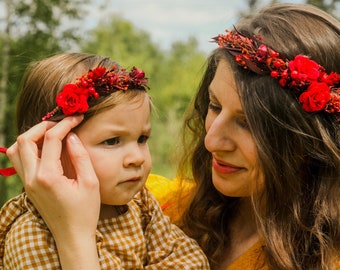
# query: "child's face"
[116,140]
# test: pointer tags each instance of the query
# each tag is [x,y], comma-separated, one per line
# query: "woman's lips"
[224,168]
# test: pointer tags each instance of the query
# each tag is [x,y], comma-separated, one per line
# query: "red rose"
[315,98]
[303,69]
[73,99]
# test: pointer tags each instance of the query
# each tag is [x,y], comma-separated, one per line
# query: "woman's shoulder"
[172,194]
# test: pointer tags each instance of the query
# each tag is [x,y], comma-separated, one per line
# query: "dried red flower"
[315,89]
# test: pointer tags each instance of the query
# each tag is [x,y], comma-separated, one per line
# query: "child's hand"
[70,207]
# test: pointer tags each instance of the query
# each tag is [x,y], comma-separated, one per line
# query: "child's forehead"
[124,107]
[131,97]
[120,114]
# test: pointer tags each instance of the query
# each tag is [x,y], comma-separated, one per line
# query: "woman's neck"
[244,222]
[243,233]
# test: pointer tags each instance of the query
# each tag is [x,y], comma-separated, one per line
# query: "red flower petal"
[315,98]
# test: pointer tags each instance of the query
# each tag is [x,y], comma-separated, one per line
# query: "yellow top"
[173,203]
[252,259]
[172,195]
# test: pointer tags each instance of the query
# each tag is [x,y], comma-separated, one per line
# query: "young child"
[132,232]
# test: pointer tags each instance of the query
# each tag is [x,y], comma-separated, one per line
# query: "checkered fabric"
[140,238]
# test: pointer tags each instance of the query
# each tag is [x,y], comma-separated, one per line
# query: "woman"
[264,156]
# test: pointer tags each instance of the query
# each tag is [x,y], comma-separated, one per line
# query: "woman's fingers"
[87,195]
[13,155]
[52,147]
[80,160]
[69,201]
[41,143]
[24,153]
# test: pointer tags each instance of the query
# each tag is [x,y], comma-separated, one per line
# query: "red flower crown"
[316,90]
[98,82]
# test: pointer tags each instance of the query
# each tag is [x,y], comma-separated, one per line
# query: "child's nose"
[134,156]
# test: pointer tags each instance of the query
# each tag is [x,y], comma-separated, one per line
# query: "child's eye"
[143,139]
[214,107]
[112,141]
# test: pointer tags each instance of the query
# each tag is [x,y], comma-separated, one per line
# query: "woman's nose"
[219,136]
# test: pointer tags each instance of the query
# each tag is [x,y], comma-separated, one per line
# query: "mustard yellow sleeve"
[172,194]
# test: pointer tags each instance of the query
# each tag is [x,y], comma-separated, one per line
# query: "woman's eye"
[111,141]
[143,139]
[214,107]
[242,122]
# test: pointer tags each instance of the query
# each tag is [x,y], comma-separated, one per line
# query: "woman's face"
[235,169]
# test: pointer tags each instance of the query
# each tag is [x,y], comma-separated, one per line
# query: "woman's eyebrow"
[212,95]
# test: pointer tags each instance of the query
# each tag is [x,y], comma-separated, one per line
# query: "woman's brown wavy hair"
[299,152]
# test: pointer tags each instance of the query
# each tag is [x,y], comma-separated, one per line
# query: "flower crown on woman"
[315,89]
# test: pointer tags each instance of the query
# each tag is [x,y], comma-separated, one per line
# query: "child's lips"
[133,179]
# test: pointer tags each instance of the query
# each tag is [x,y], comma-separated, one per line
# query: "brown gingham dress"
[140,238]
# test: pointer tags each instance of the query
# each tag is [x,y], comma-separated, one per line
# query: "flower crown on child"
[74,98]
[316,90]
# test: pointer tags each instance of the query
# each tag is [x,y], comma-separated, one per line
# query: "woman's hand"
[70,207]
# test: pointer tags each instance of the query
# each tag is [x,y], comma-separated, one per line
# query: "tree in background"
[178,77]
